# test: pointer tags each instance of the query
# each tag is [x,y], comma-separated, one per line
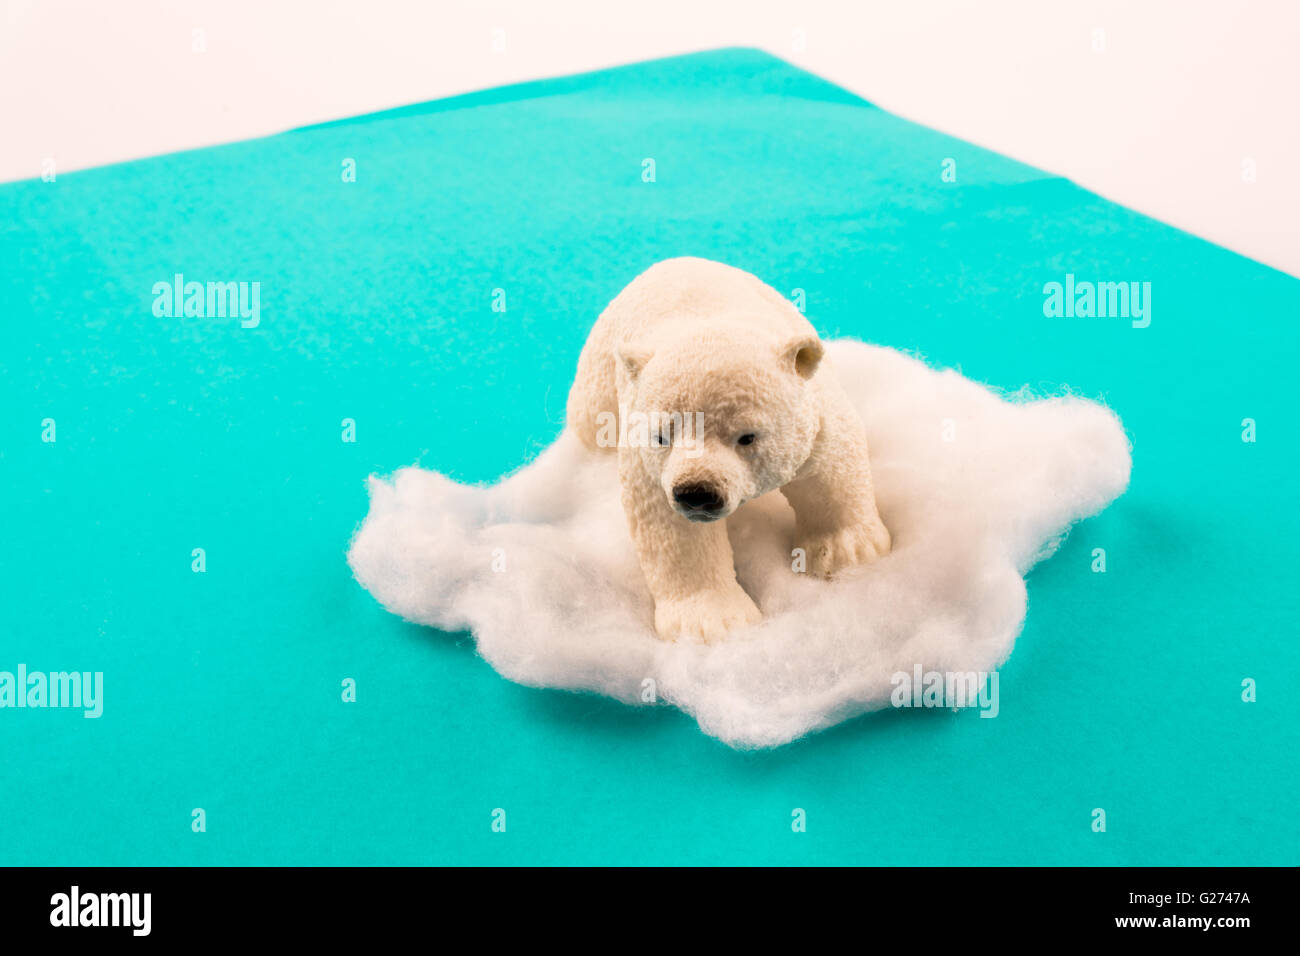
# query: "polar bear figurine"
[714,390]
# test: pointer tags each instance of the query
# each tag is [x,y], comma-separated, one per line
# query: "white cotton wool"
[974,488]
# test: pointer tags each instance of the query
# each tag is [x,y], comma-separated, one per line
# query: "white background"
[1160,110]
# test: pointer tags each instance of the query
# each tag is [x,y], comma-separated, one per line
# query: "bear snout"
[698,502]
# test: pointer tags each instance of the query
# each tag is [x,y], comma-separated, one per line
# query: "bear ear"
[632,359]
[802,355]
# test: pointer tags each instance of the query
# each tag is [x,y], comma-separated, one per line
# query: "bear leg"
[688,566]
[836,521]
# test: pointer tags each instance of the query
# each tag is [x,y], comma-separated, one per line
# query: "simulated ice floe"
[975,489]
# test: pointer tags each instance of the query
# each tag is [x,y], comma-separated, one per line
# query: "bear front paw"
[844,548]
[708,614]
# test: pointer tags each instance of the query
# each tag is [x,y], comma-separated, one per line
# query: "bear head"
[720,415]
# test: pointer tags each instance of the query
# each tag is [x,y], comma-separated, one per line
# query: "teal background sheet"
[222,689]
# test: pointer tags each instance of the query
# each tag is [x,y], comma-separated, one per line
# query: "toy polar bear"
[729,383]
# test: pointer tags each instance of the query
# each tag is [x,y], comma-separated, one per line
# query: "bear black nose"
[697,498]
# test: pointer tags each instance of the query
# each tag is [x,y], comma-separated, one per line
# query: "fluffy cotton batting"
[974,487]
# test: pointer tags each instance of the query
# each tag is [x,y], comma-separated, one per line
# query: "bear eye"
[746,439]
[662,439]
